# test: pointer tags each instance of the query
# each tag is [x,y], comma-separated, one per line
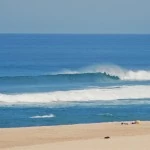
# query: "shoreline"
[63,135]
[77,124]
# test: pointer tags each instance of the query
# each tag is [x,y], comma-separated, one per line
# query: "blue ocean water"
[54,79]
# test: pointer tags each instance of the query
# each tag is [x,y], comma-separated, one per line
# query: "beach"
[81,136]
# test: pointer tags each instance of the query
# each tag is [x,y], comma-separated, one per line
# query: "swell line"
[78,77]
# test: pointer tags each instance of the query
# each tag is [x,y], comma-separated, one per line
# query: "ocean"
[60,79]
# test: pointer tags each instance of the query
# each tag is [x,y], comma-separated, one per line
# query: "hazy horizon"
[75,17]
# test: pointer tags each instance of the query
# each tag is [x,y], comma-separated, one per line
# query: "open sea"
[59,79]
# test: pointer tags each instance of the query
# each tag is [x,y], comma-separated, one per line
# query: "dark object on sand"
[124,123]
[136,122]
[106,137]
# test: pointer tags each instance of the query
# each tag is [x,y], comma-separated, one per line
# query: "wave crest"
[98,73]
[60,78]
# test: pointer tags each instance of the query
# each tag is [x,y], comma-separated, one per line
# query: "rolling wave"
[96,73]
[61,78]
[111,93]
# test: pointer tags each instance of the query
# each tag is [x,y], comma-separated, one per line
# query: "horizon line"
[81,33]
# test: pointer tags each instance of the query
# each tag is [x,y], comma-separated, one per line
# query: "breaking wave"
[60,78]
[114,71]
[44,116]
[97,73]
[110,93]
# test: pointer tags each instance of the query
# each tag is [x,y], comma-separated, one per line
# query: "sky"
[75,16]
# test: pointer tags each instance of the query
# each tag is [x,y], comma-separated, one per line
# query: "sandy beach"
[83,136]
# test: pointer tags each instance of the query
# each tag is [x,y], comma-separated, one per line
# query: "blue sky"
[75,16]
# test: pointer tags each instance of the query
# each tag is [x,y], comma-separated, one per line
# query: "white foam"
[113,93]
[44,116]
[140,75]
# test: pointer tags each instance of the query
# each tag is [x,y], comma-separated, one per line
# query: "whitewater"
[98,74]
[111,93]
